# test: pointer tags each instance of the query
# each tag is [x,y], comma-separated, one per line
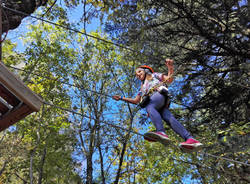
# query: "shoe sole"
[149,139]
[158,138]
[191,147]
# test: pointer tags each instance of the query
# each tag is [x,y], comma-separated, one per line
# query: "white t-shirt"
[157,78]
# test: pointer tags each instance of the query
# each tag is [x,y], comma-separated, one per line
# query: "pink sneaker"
[149,138]
[191,145]
[157,136]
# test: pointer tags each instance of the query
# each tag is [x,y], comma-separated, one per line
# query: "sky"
[74,17]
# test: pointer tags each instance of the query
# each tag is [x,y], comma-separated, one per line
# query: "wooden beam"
[17,87]
[1,30]
[3,108]
[8,96]
[14,116]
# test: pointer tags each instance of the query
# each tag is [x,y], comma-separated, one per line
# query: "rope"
[112,125]
[237,84]
[72,85]
[85,116]
[132,131]
[224,158]
[100,39]
[75,30]
[63,82]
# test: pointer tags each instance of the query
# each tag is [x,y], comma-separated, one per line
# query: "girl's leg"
[174,124]
[155,104]
[155,117]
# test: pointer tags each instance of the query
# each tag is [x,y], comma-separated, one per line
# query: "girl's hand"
[116,97]
[169,62]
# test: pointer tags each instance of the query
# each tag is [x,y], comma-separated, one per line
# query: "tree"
[11,19]
[45,141]
[208,41]
[95,74]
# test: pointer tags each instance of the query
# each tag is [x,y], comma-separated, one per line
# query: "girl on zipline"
[153,95]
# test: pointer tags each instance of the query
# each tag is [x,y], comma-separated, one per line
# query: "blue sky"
[74,17]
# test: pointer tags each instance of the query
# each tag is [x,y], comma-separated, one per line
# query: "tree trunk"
[2,138]
[24,181]
[89,169]
[118,174]
[101,158]
[4,165]
[41,167]
[31,166]
[11,19]
[89,157]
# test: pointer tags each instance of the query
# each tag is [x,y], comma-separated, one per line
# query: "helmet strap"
[145,75]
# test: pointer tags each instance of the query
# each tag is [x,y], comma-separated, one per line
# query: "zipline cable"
[236,83]
[63,82]
[85,116]
[77,86]
[72,85]
[134,132]
[75,30]
[115,126]
[224,158]
[100,39]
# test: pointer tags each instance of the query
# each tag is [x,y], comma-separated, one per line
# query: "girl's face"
[140,73]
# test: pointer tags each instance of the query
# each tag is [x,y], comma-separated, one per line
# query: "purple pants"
[157,112]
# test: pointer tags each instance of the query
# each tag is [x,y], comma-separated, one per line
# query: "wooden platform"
[16,99]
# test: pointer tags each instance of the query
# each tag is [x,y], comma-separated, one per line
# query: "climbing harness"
[162,89]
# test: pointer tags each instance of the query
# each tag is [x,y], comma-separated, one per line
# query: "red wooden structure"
[16,99]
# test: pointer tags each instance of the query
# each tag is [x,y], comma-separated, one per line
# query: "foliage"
[208,41]
[45,140]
